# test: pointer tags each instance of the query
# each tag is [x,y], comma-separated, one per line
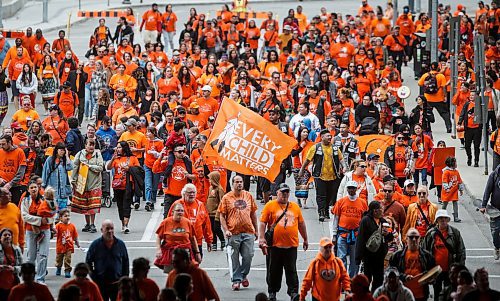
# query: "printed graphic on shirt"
[328,275]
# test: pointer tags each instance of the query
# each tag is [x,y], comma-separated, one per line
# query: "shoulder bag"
[375,241]
[269,235]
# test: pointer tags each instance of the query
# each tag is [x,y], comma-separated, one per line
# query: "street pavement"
[140,241]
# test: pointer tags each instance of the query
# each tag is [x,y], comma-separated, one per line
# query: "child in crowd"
[452,184]
[47,209]
[67,238]
[215,194]
[398,119]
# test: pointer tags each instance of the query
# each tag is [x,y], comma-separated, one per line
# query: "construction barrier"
[12,34]
[246,15]
[101,14]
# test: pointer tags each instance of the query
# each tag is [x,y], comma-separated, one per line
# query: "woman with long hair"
[56,124]
[422,114]
[120,163]
[11,258]
[36,129]
[154,146]
[188,83]
[55,174]
[167,83]
[103,101]
[88,202]
[364,82]
[212,78]
[365,189]
[299,155]
[37,230]
[327,87]
[47,79]
[98,81]
[270,102]
[27,84]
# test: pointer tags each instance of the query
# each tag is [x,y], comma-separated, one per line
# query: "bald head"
[413,239]
[107,229]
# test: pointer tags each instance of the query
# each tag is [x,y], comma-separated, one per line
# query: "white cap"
[206,88]
[409,182]
[352,184]
[287,27]
[441,213]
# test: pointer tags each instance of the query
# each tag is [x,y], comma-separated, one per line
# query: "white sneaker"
[497,254]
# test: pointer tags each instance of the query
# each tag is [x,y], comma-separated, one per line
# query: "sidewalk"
[60,10]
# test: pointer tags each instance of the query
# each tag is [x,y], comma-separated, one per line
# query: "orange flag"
[247,143]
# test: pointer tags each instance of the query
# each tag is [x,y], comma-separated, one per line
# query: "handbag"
[375,241]
[117,183]
[269,235]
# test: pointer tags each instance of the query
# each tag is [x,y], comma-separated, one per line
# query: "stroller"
[106,199]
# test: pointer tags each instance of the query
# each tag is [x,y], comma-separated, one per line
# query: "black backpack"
[369,126]
[431,84]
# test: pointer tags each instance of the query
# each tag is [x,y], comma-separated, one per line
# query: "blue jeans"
[89,101]
[417,174]
[168,40]
[241,244]
[495,231]
[151,184]
[38,252]
[343,249]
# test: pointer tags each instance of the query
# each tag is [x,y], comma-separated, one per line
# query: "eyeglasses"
[190,192]
[422,193]
[362,166]
[179,151]
[400,138]
[179,210]
[388,191]
[413,237]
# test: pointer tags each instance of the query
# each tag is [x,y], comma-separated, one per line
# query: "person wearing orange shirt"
[472,130]
[169,18]
[238,219]
[286,219]
[342,51]
[422,145]
[380,27]
[67,100]
[154,146]
[399,157]
[11,218]
[396,44]
[88,289]
[326,288]
[146,288]
[252,35]
[347,213]
[38,43]
[452,185]
[434,84]
[25,116]
[66,239]
[59,44]
[270,38]
[208,106]
[196,212]
[12,52]
[12,167]
[301,18]
[56,125]
[15,68]
[151,22]
[125,81]
[446,245]
[29,289]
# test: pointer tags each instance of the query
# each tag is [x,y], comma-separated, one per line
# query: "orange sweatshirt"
[327,278]
[10,217]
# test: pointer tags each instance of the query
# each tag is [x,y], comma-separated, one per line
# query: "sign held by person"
[247,143]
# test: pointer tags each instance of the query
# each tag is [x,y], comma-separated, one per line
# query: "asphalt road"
[140,241]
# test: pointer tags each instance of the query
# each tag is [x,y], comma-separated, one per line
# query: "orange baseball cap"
[325,241]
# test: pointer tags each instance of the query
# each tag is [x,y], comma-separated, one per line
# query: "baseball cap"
[131,122]
[388,178]
[409,182]
[15,126]
[276,109]
[325,241]
[287,27]
[352,184]
[54,107]
[176,52]
[194,105]
[319,45]
[373,156]
[181,110]
[206,88]
[66,84]
[283,187]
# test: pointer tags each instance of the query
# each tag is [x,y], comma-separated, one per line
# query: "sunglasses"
[400,138]
[422,193]
[413,237]
[362,166]
[179,151]
[388,191]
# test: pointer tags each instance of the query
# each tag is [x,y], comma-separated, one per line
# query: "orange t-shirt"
[137,140]
[21,116]
[175,233]
[349,212]
[400,161]
[169,19]
[119,163]
[451,181]
[413,268]
[286,232]
[88,289]
[238,212]
[34,291]
[66,235]
[10,162]
[177,178]
[167,85]
[152,145]
[151,19]
[208,107]
[420,223]
[423,148]
[343,53]
[68,102]
[197,214]
[148,289]
[441,252]
[362,191]
[57,128]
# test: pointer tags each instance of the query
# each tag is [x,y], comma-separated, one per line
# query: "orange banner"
[247,143]
[440,155]
[376,144]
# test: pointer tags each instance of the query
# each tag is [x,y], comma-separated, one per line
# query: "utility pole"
[1,14]
[453,47]
[480,86]
[433,5]
[45,11]
[395,14]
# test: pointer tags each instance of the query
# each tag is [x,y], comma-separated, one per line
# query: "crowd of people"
[129,122]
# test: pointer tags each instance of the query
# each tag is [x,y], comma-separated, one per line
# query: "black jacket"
[135,174]
[121,33]
[366,228]
[474,295]
[427,119]
[492,190]
[74,141]
[363,111]
[83,79]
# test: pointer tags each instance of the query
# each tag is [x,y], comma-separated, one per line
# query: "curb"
[141,5]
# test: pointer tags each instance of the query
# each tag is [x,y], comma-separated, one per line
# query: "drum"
[430,276]
[404,92]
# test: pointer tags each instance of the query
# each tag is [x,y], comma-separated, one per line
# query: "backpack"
[369,126]
[431,84]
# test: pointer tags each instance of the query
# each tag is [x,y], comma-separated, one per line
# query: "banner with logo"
[81,181]
[247,143]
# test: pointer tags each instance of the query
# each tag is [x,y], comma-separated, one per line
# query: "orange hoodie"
[327,278]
